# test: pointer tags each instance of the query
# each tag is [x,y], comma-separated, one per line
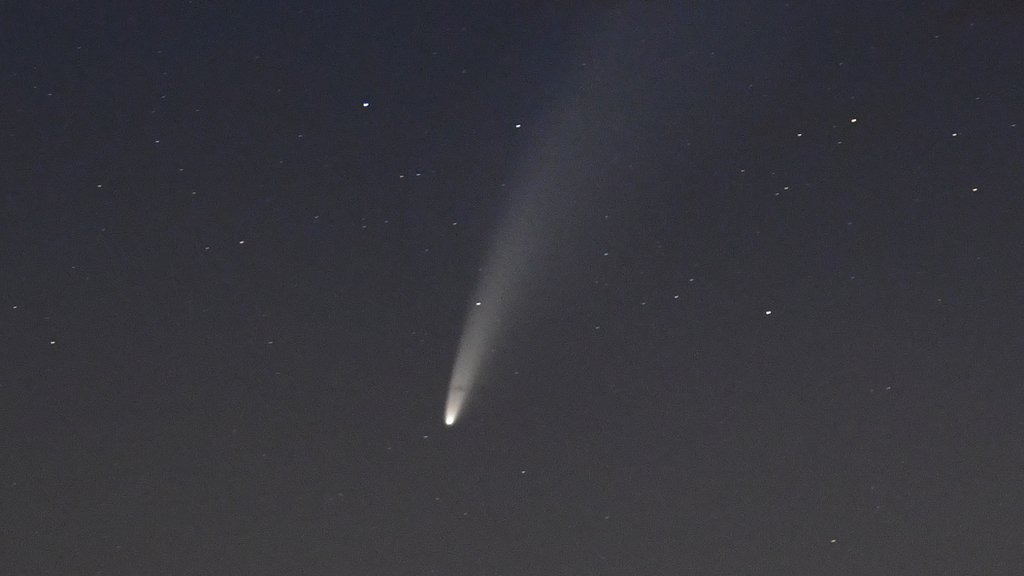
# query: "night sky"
[769,292]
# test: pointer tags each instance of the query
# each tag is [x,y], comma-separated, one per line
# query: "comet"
[544,214]
[481,332]
[559,193]
[517,260]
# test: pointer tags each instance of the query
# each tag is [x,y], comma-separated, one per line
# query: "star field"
[767,304]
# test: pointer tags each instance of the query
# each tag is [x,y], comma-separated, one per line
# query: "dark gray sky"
[769,322]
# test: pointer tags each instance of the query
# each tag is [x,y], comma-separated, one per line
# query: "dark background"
[231,293]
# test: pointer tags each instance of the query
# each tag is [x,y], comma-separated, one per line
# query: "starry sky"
[768,324]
